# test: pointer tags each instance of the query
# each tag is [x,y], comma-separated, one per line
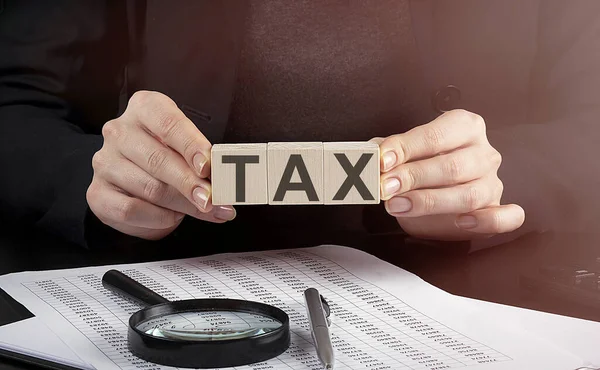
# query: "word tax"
[295,173]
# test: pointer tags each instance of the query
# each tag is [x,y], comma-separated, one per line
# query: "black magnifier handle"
[123,285]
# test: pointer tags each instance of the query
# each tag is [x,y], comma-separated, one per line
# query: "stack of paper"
[382,317]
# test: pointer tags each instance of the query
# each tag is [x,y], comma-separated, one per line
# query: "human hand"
[440,180]
[152,170]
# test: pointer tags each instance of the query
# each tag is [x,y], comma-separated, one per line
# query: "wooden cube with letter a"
[239,174]
[295,173]
[351,173]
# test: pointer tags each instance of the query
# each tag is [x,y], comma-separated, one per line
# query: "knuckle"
[478,122]
[474,119]
[496,223]
[460,114]
[496,158]
[110,129]
[429,202]
[189,148]
[402,150]
[125,210]
[148,99]
[472,199]
[154,191]
[157,160]
[499,189]
[410,178]
[168,124]
[434,138]
[454,168]
[98,161]
[188,182]
[91,194]
[140,98]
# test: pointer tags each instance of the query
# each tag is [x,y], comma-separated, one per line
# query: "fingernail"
[199,162]
[389,160]
[225,213]
[466,222]
[399,205]
[179,217]
[201,197]
[390,187]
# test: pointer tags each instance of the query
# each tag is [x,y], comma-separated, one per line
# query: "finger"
[126,175]
[161,116]
[456,167]
[377,140]
[456,199]
[219,214]
[450,131]
[113,206]
[162,163]
[141,232]
[492,220]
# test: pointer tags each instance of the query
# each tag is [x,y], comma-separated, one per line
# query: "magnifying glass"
[200,333]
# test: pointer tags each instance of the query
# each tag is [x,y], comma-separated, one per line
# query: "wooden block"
[351,173]
[239,174]
[295,173]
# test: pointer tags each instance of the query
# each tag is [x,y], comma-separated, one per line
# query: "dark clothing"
[259,71]
[347,83]
[331,71]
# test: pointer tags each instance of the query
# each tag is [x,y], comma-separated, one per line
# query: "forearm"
[57,88]
[47,167]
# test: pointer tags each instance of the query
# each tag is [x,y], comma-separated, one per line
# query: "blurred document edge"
[30,340]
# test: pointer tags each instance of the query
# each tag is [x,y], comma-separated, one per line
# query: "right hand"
[152,170]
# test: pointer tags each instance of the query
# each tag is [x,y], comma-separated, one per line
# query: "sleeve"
[60,77]
[550,163]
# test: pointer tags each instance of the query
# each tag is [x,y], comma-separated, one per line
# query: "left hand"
[440,180]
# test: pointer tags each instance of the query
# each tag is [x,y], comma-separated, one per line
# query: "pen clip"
[326,308]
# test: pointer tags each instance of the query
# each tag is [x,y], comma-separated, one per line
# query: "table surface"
[491,274]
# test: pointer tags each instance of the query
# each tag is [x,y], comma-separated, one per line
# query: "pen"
[319,326]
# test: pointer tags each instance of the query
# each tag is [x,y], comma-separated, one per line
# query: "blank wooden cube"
[351,173]
[295,173]
[239,174]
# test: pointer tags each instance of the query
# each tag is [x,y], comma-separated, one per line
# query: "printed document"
[382,317]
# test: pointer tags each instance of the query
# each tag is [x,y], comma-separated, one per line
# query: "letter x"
[353,179]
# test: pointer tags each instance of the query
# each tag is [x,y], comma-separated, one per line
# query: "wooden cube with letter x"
[239,174]
[295,173]
[351,173]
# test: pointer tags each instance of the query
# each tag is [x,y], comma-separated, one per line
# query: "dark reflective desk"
[494,274]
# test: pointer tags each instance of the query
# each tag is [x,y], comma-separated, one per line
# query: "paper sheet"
[32,337]
[382,317]
[579,337]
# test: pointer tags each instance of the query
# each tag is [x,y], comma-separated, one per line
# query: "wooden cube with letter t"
[239,174]
[351,173]
[295,173]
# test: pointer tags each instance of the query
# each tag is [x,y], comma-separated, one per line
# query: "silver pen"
[318,319]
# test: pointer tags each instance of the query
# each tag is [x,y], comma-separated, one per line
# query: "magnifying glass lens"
[206,326]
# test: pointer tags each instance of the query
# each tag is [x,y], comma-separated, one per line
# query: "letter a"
[296,162]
